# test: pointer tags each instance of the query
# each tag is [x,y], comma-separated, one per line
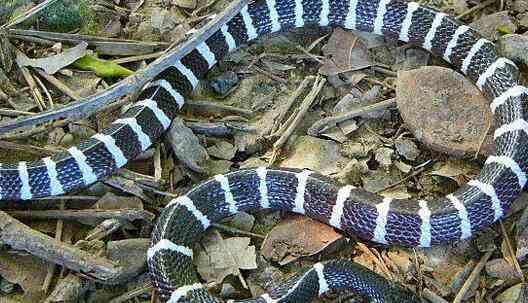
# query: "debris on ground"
[355,107]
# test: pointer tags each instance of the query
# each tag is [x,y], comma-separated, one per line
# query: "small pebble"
[6,286]
[224,83]
[407,149]
[514,47]
[384,156]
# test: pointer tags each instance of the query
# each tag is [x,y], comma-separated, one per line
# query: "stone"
[515,47]
[407,149]
[445,111]
[490,25]
[223,84]
[316,154]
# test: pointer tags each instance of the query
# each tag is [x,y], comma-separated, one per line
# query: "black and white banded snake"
[474,206]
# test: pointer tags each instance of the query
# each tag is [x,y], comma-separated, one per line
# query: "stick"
[20,237]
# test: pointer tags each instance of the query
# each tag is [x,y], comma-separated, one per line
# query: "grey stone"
[514,47]
[488,25]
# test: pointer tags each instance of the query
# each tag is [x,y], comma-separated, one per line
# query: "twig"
[511,252]
[132,83]
[475,8]
[472,277]
[13,112]
[218,108]
[329,122]
[376,257]
[305,106]
[237,231]
[37,96]
[46,91]
[88,214]
[291,100]
[137,58]
[418,171]
[51,266]
[58,84]
[432,297]
[20,237]
[33,131]
[28,14]
[269,74]
[132,294]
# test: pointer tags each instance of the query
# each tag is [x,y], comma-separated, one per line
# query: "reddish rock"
[445,111]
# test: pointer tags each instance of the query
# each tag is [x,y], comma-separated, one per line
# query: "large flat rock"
[445,111]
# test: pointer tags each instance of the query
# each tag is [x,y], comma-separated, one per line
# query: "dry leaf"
[54,63]
[297,236]
[345,52]
[223,257]
[457,170]
[27,271]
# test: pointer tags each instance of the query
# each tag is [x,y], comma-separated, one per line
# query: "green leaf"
[102,68]
[504,30]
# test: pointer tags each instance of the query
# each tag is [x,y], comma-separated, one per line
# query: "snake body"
[474,206]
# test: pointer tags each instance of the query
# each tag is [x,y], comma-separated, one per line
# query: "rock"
[515,47]
[523,19]
[6,286]
[410,58]
[224,83]
[131,254]
[352,172]
[222,150]
[520,6]
[407,149]
[316,154]
[216,167]
[501,269]
[445,111]
[490,25]
[384,156]
[190,4]
[186,146]
[376,181]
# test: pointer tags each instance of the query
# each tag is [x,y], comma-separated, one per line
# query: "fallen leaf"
[513,294]
[295,237]
[344,52]
[459,171]
[54,63]
[27,271]
[224,257]
[101,68]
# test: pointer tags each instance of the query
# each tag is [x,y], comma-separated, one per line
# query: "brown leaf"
[459,171]
[27,271]
[223,257]
[345,52]
[297,236]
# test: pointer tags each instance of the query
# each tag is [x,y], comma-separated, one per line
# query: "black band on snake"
[474,206]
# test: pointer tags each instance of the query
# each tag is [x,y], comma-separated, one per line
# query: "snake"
[413,223]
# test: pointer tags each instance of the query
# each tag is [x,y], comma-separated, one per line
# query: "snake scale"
[354,211]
